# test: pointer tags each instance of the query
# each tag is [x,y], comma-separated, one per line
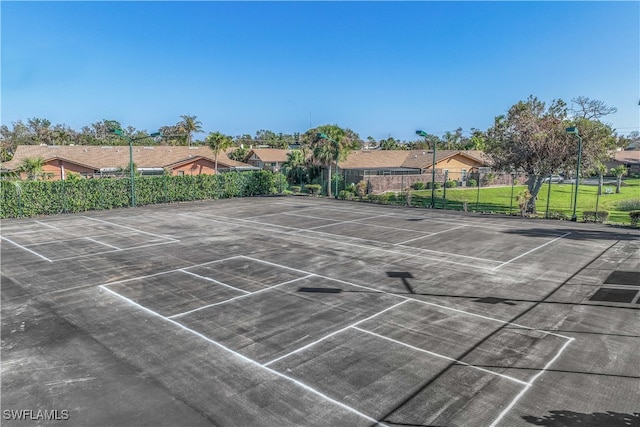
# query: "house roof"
[270,154]
[407,159]
[628,156]
[100,156]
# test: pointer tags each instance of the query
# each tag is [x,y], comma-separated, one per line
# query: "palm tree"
[295,166]
[189,125]
[218,142]
[329,151]
[33,167]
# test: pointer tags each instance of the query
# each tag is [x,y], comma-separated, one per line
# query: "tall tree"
[619,172]
[189,125]
[218,142]
[327,152]
[532,138]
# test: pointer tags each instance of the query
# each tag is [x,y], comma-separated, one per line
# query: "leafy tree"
[389,144]
[239,154]
[218,142]
[189,125]
[619,172]
[532,138]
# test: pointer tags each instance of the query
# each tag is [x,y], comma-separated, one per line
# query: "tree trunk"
[329,182]
[618,183]
[600,183]
[534,184]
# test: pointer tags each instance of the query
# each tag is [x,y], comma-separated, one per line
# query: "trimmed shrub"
[313,189]
[451,184]
[32,198]
[435,185]
[296,189]
[558,215]
[628,205]
[472,183]
[635,218]
[592,216]
[418,185]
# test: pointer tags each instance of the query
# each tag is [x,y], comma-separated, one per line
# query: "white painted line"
[131,228]
[569,340]
[532,250]
[294,232]
[432,234]
[409,299]
[109,252]
[344,222]
[102,243]
[332,334]
[249,361]
[442,356]
[26,249]
[515,400]
[213,280]
[173,316]
[47,225]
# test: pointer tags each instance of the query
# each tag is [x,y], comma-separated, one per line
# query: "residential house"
[267,158]
[98,161]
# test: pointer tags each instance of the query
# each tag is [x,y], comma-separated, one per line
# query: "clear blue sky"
[379,68]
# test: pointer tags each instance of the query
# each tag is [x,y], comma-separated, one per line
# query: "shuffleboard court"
[302,311]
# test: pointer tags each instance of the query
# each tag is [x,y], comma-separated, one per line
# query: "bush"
[296,189]
[435,185]
[472,183]
[345,195]
[628,205]
[313,189]
[418,186]
[558,215]
[635,218]
[31,198]
[451,184]
[592,216]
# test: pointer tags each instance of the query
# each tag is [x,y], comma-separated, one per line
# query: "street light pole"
[131,171]
[433,169]
[574,130]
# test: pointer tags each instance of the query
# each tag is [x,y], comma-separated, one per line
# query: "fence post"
[546,214]
[478,195]
[444,190]
[513,183]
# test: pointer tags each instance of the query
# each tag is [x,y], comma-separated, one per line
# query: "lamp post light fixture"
[323,135]
[131,169]
[433,169]
[574,130]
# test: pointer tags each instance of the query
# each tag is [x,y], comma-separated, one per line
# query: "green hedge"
[33,198]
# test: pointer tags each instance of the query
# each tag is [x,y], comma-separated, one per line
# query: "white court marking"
[173,316]
[26,249]
[292,231]
[532,250]
[248,360]
[406,299]
[166,239]
[103,243]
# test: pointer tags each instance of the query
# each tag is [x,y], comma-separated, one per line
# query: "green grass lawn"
[498,199]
